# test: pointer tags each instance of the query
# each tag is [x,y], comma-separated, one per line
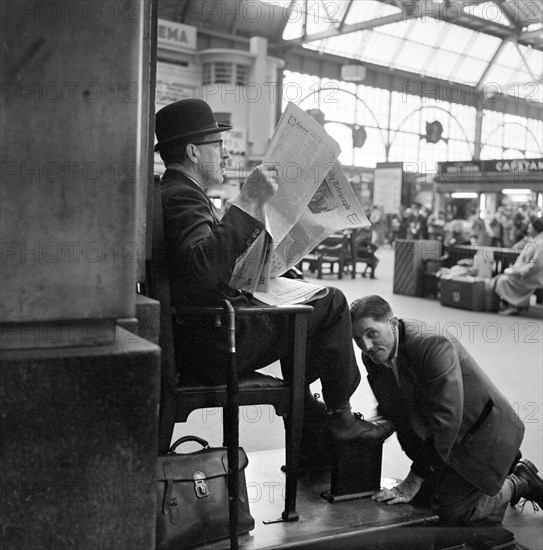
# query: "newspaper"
[304,154]
[290,291]
[314,199]
[333,207]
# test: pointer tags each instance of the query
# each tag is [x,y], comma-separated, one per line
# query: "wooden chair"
[327,254]
[177,402]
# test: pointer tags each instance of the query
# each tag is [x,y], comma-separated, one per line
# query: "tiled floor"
[510,349]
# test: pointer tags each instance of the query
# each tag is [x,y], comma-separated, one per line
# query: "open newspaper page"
[333,207]
[303,153]
[313,200]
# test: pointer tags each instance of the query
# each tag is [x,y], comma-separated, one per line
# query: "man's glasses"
[220,141]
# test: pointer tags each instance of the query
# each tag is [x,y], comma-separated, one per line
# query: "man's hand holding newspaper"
[313,200]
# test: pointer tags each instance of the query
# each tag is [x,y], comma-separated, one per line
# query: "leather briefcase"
[192,503]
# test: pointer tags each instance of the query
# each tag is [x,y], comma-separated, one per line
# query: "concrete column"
[78,451]
[78,395]
[70,139]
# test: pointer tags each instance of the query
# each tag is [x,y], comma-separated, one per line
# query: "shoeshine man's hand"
[259,187]
[405,491]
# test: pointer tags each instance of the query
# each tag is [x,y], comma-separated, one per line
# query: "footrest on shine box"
[356,470]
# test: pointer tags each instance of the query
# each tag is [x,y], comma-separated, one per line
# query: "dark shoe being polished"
[348,426]
[528,472]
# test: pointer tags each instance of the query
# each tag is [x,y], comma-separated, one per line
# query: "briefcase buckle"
[200,487]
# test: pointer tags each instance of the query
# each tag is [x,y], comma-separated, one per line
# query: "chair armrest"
[329,247]
[245,310]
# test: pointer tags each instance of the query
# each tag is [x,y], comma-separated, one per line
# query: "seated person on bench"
[518,282]
[203,249]
[365,251]
[459,430]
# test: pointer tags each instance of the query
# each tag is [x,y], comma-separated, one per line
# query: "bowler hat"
[184,120]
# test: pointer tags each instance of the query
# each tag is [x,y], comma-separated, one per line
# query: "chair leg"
[295,420]
[167,412]
[231,423]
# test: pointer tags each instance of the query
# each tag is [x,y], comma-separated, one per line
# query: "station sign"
[387,187]
[519,170]
[176,36]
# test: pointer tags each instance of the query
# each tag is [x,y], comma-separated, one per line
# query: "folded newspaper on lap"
[314,199]
[290,291]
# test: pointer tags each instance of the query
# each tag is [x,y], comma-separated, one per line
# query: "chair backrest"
[333,244]
[158,288]
[333,249]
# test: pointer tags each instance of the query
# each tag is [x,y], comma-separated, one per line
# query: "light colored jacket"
[529,264]
[517,284]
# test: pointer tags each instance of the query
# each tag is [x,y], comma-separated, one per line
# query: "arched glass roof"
[474,42]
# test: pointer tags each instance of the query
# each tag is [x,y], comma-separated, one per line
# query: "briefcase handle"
[187,438]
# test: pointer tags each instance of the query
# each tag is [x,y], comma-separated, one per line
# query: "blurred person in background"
[395,224]
[494,230]
[456,233]
[365,251]
[411,223]
[405,215]
[520,222]
[423,223]
[479,233]
[518,282]
[436,223]
[378,223]
[505,215]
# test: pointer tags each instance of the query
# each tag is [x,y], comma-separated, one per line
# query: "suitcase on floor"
[464,293]
[408,264]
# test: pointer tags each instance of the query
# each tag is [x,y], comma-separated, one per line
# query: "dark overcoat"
[202,246]
[446,408]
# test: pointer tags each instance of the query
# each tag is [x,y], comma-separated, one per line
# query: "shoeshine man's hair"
[371,306]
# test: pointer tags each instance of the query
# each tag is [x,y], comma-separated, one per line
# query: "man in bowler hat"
[459,430]
[203,247]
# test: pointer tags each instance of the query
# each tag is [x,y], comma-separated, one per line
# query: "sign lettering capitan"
[526,165]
